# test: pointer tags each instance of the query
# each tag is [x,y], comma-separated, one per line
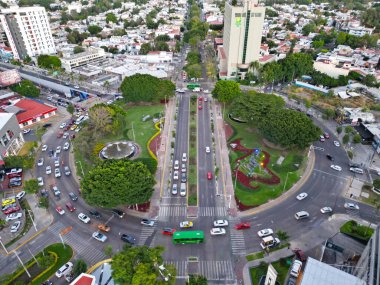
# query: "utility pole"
[5,249]
[34,224]
[63,243]
[26,270]
[34,257]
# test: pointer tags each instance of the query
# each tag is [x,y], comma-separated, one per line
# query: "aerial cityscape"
[190,142]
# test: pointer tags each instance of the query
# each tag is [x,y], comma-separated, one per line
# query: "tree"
[289,128]
[195,279]
[226,90]
[349,130]
[139,265]
[376,184]
[2,223]
[341,38]
[194,70]
[339,129]
[27,59]
[31,186]
[43,202]
[26,88]
[282,235]
[78,49]
[161,46]
[357,138]
[145,48]
[70,108]
[49,61]
[117,182]
[146,88]
[346,138]
[46,260]
[309,28]
[110,17]
[79,267]
[108,250]
[94,29]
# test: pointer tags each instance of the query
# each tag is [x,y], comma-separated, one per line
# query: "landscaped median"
[357,231]
[281,266]
[59,256]
[192,193]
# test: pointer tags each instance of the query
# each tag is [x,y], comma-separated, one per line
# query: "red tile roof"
[31,110]
[218,40]
[221,52]
[84,280]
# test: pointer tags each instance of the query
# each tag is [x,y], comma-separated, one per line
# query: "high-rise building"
[27,31]
[243,25]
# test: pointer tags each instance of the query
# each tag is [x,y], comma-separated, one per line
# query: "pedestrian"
[288,246]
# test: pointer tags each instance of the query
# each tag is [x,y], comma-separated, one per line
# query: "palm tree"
[255,67]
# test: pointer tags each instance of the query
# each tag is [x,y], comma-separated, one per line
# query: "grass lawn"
[281,266]
[192,200]
[26,148]
[288,171]
[254,256]
[357,231]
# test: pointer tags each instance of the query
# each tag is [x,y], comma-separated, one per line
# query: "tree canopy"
[26,88]
[197,280]
[94,29]
[289,128]
[49,61]
[226,90]
[117,182]
[139,265]
[146,88]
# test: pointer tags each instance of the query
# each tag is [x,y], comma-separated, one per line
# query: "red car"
[11,210]
[70,207]
[200,99]
[326,135]
[168,231]
[242,226]
[209,175]
[300,254]
[60,134]
[200,107]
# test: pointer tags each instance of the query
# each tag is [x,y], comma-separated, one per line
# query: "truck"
[197,89]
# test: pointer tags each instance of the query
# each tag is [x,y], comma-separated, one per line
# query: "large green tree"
[110,17]
[49,61]
[94,29]
[146,88]
[26,88]
[289,128]
[197,280]
[31,186]
[117,182]
[226,90]
[139,266]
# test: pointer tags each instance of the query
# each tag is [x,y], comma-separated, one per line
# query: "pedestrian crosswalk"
[181,267]
[212,211]
[172,211]
[146,233]
[237,242]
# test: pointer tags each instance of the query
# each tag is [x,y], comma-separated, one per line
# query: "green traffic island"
[192,192]
[261,254]
[282,267]
[357,231]
[41,267]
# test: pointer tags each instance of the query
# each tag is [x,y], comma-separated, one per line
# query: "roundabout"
[119,150]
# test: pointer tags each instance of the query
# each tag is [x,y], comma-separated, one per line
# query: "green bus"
[191,86]
[188,237]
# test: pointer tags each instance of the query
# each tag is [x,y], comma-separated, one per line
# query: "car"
[176,165]
[301,215]
[57,173]
[336,167]
[70,207]
[13,216]
[15,179]
[351,206]
[209,175]
[20,195]
[164,273]
[84,218]
[300,254]
[95,214]
[301,196]
[56,162]
[200,107]
[60,210]
[104,228]
[128,238]
[55,190]
[40,162]
[200,99]
[69,277]
[242,226]
[109,102]
[15,227]
[14,184]
[73,197]
[65,269]
[66,134]
[296,268]
[184,157]
[46,125]
[40,181]
[217,231]
[326,210]
[183,177]
[44,147]
[11,210]
[220,223]
[329,157]
[48,170]
[336,143]
[356,170]
[326,135]
[9,172]
[322,138]
[174,189]
[76,86]
[168,231]
[13,175]
[61,126]
[183,167]
[208,149]
[78,129]
[175,175]
[8,206]
[73,127]
[265,232]
[66,146]
[26,131]
[147,222]
[67,170]
[186,224]
[58,149]
[59,135]
[118,213]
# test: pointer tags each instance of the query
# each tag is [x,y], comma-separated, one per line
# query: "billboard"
[9,77]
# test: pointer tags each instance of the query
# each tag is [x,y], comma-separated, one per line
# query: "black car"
[95,214]
[355,165]
[183,177]
[73,196]
[330,157]
[14,184]
[128,238]
[46,125]
[118,213]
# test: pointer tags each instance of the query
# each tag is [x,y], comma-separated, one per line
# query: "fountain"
[118,150]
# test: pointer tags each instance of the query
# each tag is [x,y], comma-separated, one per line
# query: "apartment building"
[11,138]
[75,60]
[27,31]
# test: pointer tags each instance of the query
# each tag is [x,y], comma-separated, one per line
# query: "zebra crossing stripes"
[181,267]
[237,242]
[55,228]
[172,211]
[212,212]
[217,270]
[146,232]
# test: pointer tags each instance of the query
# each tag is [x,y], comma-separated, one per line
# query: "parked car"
[20,195]
[11,210]
[40,162]
[14,184]
[15,227]
[336,143]
[95,214]
[48,170]
[58,149]
[26,131]
[61,126]
[40,181]
[13,216]
[44,147]
[65,269]
[300,254]
[175,175]
[329,157]
[66,146]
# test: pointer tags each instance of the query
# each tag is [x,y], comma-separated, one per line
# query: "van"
[296,268]
[269,241]
[79,120]
[356,170]
[184,157]
[176,165]
[301,215]
[183,190]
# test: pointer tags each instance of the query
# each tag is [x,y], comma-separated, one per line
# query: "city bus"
[192,86]
[188,237]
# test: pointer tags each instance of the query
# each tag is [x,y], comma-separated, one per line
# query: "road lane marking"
[327,173]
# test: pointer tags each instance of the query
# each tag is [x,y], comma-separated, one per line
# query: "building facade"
[27,31]
[11,138]
[75,60]
[243,26]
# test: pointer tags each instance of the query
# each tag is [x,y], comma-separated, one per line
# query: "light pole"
[34,224]
[80,164]
[26,270]
[237,169]
[1,242]
[286,180]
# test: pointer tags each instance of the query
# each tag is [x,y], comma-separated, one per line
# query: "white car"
[56,163]
[99,236]
[40,162]
[61,126]
[109,102]
[48,169]
[217,231]
[326,210]
[58,149]
[176,165]
[265,232]
[208,149]
[20,195]
[183,168]
[351,206]
[77,129]
[15,227]
[220,223]
[26,131]
[76,86]
[175,175]
[84,218]
[336,167]
[186,224]
[44,147]
[66,146]
[65,269]
[336,143]
[57,173]
[65,135]
[13,216]
[301,196]
[40,181]
[56,190]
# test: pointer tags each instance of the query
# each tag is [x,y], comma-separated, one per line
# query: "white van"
[184,157]
[296,268]
[79,120]
[301,215]
[176,165]
[183,190]
[269,241]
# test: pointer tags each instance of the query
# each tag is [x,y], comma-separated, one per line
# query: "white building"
[79,59]
[27,31]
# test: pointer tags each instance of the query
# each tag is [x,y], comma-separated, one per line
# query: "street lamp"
[80,164]
[286,180]
[237,169]
[5,249]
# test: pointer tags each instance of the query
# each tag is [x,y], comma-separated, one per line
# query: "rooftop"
[4,118]
[31,109]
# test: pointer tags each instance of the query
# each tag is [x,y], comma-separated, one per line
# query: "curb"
[92,268]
